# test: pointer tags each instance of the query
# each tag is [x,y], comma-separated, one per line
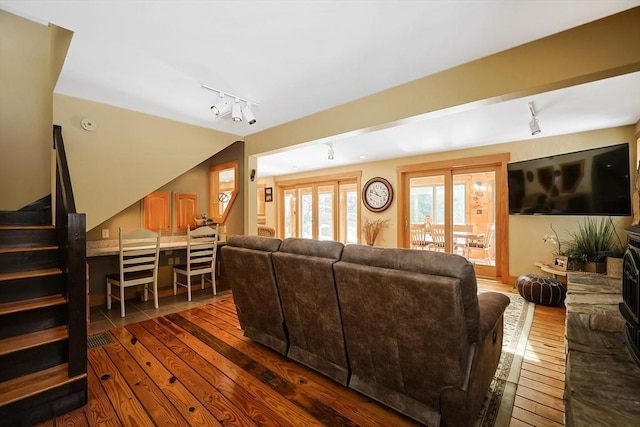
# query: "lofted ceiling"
[296,58]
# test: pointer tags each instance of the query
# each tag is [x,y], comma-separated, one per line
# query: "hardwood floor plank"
[540,397]
[343,399]
[99,410]
[541,387]
[199,407]
[247,399]
[538,409]
[535,419]
[312,405]
[158,406]
[130,411]
[546,380]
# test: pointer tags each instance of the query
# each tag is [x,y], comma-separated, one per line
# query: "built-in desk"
[102,257]
[602,381]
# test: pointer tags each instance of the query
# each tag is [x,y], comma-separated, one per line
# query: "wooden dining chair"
[437,235]
[419,237]
[139,252]
[202,244]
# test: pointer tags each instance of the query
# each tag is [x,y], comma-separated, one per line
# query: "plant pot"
[614,267]
[595,267]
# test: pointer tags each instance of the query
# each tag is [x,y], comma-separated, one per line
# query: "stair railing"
[72,237]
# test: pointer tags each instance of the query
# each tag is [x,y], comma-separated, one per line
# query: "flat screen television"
[588,182]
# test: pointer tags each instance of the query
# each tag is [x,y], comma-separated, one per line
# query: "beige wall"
[129,154]
[31,56]
[525,232]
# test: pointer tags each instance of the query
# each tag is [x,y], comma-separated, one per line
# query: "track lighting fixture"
[534,125]
[248,114]
[330,154]
[221,106]
[237,109]
[236,114]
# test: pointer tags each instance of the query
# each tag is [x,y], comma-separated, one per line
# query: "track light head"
[534,125]
[221,106]
[248,114]
[236,115]
[331,154]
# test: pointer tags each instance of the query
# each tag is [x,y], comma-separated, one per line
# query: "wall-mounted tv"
[588,182]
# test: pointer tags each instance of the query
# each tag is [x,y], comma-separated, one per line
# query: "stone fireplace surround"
[602,381]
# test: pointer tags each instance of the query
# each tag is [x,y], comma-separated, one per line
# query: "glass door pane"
[474,217]
[305,207]
[290,213]
[325,212]
[348,213]
[427,212]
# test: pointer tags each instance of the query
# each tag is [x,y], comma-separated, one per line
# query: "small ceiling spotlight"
[221,106]
[331,154]
[534,125]
[236,114]
[238,111]
[248,114]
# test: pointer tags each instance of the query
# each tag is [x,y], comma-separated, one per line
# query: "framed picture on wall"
[268,194]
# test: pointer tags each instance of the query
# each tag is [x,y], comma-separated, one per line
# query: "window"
[428,201]
[322,209]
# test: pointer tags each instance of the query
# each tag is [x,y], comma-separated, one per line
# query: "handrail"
[72,237]
[62,171]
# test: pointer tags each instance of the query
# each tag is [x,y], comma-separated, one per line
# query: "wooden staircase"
[43,315]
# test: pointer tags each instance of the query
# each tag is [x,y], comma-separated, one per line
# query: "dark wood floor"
[196,368]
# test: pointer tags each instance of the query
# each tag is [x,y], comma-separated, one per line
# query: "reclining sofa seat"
[419,338]
[249,268]
[304,274]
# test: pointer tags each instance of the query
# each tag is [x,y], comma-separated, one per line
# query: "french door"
[455,209]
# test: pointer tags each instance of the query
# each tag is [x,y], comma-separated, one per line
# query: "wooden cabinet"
[156,211]
[186,211]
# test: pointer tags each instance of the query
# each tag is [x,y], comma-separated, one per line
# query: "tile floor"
[102,320]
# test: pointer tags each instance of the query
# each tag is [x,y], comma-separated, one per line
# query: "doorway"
[456,207]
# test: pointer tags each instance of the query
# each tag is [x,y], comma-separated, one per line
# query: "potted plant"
[614,259]
[592,243]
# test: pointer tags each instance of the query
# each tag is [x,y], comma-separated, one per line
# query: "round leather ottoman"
[541,289]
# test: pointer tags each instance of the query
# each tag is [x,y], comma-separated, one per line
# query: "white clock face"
[377,195]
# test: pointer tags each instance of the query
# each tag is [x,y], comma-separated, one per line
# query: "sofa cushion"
[250,274]
[426,262]
[304,273]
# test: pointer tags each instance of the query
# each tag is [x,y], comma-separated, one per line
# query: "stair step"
[29,274]
[27,249]
[27,227]
[31,304]
[34,339]
[30,385]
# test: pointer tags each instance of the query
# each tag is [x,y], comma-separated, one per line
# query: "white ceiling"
[296,58]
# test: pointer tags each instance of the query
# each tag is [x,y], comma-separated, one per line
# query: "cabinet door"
[156,211]
[186,211]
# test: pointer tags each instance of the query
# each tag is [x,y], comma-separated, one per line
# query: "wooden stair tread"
[31,304]
[29,274]
[34,339]
[29,385]
[32,248]
[27,227]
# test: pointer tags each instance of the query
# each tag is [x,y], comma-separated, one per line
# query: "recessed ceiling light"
[363,156]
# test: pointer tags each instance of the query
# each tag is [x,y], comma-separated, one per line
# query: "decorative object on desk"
[560,262]
[268,194]
[372,228]
[592,243]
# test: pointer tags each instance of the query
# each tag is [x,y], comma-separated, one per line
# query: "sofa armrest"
[492,305]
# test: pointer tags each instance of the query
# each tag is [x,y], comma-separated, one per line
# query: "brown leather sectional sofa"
[404,327]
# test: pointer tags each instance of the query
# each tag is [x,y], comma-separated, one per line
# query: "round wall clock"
[377,194]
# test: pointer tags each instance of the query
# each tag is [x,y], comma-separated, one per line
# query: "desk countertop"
[110,247]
